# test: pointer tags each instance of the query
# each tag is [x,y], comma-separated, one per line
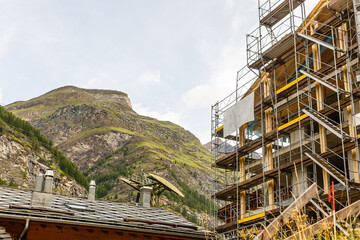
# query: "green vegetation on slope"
[37,140]
[89,132]
[105,181]
[192,199]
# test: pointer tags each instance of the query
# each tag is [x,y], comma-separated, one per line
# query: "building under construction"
[293,118]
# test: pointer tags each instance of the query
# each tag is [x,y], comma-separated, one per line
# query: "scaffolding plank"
[274,51]
[278,13]
[219,129]
[289,85]
[282,127]
[259,63]
[279,47]
[232,225]
[253,217]
[288,213]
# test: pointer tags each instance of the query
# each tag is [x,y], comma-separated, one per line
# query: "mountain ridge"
[106,138]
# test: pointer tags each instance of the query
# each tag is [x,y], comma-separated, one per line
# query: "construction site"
[287,136]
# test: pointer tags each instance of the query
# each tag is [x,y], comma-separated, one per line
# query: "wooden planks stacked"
[4,235]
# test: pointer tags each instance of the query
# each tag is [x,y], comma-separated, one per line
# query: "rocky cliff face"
[99,131]
[20,163]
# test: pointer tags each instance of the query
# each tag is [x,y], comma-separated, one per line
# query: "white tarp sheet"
[238,114]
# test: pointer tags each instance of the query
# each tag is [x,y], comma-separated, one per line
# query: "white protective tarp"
[238,114]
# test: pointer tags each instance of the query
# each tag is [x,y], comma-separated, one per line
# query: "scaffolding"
[304,73]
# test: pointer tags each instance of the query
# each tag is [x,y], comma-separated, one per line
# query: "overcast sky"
[174,58]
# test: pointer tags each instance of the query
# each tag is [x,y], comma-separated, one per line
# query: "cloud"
[149,78]
[96,81]
[174,117]
[223,65]
[6,38]
[229,3]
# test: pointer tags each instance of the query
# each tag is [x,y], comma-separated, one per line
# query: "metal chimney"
[39,183]
[145,196]
[91,196]
[42,194]
[49,175]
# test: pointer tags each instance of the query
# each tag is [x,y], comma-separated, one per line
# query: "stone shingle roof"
[15,203]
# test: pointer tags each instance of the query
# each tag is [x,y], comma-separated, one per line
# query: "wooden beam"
[327,222]
[287,214]
[242,172]
[269,147]
[353,159]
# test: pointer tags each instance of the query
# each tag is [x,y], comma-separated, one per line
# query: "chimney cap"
[92,183]
[49,173]
[146,188]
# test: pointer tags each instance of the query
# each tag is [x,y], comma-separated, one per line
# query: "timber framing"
[306,87]
[228,160]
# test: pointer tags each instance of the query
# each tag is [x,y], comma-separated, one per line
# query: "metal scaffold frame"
[304,73]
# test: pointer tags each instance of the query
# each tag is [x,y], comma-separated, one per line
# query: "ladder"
[320,42]
[322,81]
[321,119]
[327,167]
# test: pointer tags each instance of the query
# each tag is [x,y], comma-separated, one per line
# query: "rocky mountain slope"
[22,157]
[100,132]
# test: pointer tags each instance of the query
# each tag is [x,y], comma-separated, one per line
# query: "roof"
[15,204]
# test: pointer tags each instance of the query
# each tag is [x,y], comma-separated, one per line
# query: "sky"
[174,58]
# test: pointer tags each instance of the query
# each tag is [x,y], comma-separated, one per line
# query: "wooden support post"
[269,147]
[242,171]
[288,213]
[353,165]
[320,97]
[269,159]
